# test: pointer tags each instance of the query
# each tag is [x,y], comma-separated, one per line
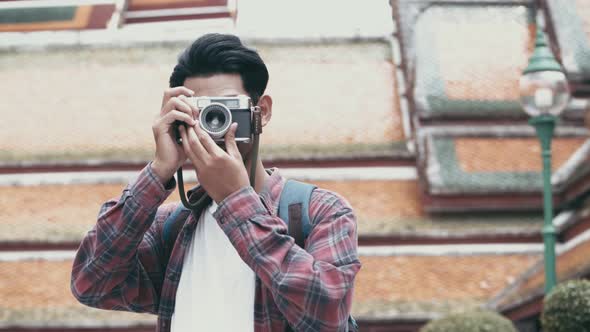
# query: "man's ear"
[265,103]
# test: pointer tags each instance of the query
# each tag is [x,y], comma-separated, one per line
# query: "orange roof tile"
[38,291]
[583,10]
[58,213]
[466,52]
[55,212]
[430,286]
[571,26]
[51,213]
[477,154]
[474,72]
[377,199]
[569,264]
[163,3]
[28,284]
[54,17]
[100,103]
[341,94]
[431,278]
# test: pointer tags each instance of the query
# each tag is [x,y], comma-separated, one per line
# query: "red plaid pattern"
[120,264]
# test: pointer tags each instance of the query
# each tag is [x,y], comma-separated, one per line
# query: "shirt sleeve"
[313,288]
[119,264]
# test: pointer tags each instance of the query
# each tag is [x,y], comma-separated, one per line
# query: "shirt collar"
[270,193]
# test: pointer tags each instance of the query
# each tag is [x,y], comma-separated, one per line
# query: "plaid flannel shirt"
[121,264]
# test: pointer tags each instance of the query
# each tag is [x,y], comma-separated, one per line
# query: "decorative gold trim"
[79,21]
[152,3]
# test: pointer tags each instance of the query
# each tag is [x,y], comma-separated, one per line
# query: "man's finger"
[230,141]
[187,147]
[175,115]
[194,109]
[195,145]
[179,104]
[206,141]
[175,92]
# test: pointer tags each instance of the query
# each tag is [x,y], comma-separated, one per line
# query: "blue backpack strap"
[172,227]
[294,209]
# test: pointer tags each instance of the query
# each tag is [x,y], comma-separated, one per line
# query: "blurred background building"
[408,108]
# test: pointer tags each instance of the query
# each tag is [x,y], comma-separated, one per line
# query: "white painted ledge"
[451,250]
[404,173]
[410,250]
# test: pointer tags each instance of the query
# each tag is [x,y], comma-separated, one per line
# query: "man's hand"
[220,173]
[169,155]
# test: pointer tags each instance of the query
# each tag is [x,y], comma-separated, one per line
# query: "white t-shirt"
[216,288]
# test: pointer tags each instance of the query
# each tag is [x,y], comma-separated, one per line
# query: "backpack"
[293,210]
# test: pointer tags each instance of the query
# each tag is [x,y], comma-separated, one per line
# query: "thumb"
[230,141]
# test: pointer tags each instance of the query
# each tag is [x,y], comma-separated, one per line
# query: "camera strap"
[256,131]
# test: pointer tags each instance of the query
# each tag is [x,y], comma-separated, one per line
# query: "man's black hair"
[222,54]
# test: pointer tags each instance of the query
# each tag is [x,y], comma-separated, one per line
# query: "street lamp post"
[544,94]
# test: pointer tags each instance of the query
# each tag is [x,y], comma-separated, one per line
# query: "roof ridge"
[566,173]
[495,302]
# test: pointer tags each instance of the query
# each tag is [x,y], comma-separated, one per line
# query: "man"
[233,267]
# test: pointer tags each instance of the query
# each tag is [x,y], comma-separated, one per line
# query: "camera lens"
[215,119]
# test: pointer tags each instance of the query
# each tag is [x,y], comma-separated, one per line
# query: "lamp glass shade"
[544,92]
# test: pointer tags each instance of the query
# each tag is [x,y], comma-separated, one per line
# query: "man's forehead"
[218,85]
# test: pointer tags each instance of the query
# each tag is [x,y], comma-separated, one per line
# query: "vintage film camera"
[216,114]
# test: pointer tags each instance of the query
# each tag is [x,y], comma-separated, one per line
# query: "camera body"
[216,114]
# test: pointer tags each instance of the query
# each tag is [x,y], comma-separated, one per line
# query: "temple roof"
[571,23]
[465,57]
[54,214]
[439,96]
[387,287]
[409,286]
[98,104]
[31,17]
[571,263]
[493,160]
